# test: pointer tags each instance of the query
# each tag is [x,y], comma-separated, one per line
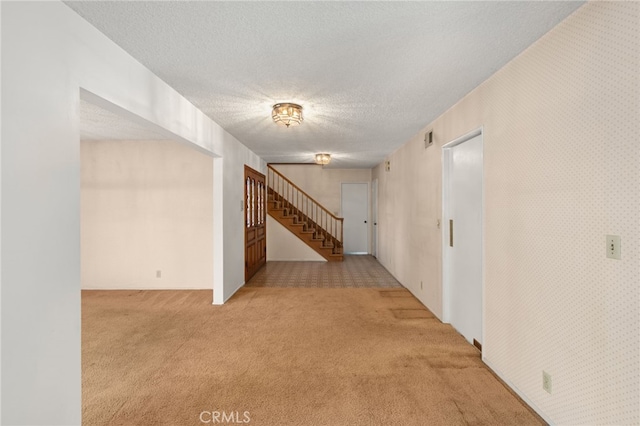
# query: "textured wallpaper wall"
[562,170]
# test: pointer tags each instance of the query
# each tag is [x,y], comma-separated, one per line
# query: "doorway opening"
[147,208]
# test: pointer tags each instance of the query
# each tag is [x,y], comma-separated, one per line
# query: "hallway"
[354,271]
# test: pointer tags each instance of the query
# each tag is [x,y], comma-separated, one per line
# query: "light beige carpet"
[305,356]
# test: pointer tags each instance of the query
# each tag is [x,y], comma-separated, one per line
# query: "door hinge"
[450,232]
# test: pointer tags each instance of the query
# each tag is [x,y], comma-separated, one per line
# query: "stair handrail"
[337,234]
[307,195]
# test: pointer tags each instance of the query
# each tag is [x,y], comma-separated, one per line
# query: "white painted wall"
[235,156]
[1,137]
[283,245]
[48,54]
[146,206]
[561,171]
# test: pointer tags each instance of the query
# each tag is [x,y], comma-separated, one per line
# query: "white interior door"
[374,218]
[355,211]
[463,205]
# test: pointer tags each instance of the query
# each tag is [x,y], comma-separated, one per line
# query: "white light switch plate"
[613,246]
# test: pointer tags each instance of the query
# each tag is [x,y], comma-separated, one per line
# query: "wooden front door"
[255,230]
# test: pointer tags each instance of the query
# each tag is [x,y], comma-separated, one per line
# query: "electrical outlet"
[158,274]
[546,381]
[613,247]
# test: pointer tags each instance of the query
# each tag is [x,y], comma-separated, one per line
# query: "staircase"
[304,217]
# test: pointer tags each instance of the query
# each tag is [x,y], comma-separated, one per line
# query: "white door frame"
[446,189]
[374,218]
[368,220]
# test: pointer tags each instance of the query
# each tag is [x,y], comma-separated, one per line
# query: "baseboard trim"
[477,345]
[230,296]
[535,410]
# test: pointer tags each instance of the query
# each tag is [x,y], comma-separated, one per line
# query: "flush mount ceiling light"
[323,158]
[287,114]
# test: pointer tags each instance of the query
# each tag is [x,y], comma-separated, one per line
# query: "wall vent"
[428,139]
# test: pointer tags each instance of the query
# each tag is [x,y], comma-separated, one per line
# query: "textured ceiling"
[369,75]
[98,124]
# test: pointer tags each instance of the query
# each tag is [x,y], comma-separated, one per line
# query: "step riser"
[301,226]
[325,250]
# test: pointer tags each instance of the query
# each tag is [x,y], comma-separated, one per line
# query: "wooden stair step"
[289,216]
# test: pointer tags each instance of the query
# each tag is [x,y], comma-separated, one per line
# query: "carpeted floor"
[279,356]
[358,271]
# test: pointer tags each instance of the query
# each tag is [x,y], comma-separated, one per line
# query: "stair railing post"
[333,227]
[324,226]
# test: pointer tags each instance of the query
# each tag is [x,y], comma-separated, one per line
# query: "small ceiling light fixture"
[323,159]
[287,114]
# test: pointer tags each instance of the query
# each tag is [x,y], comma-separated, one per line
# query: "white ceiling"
[98,124]
[369,75]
